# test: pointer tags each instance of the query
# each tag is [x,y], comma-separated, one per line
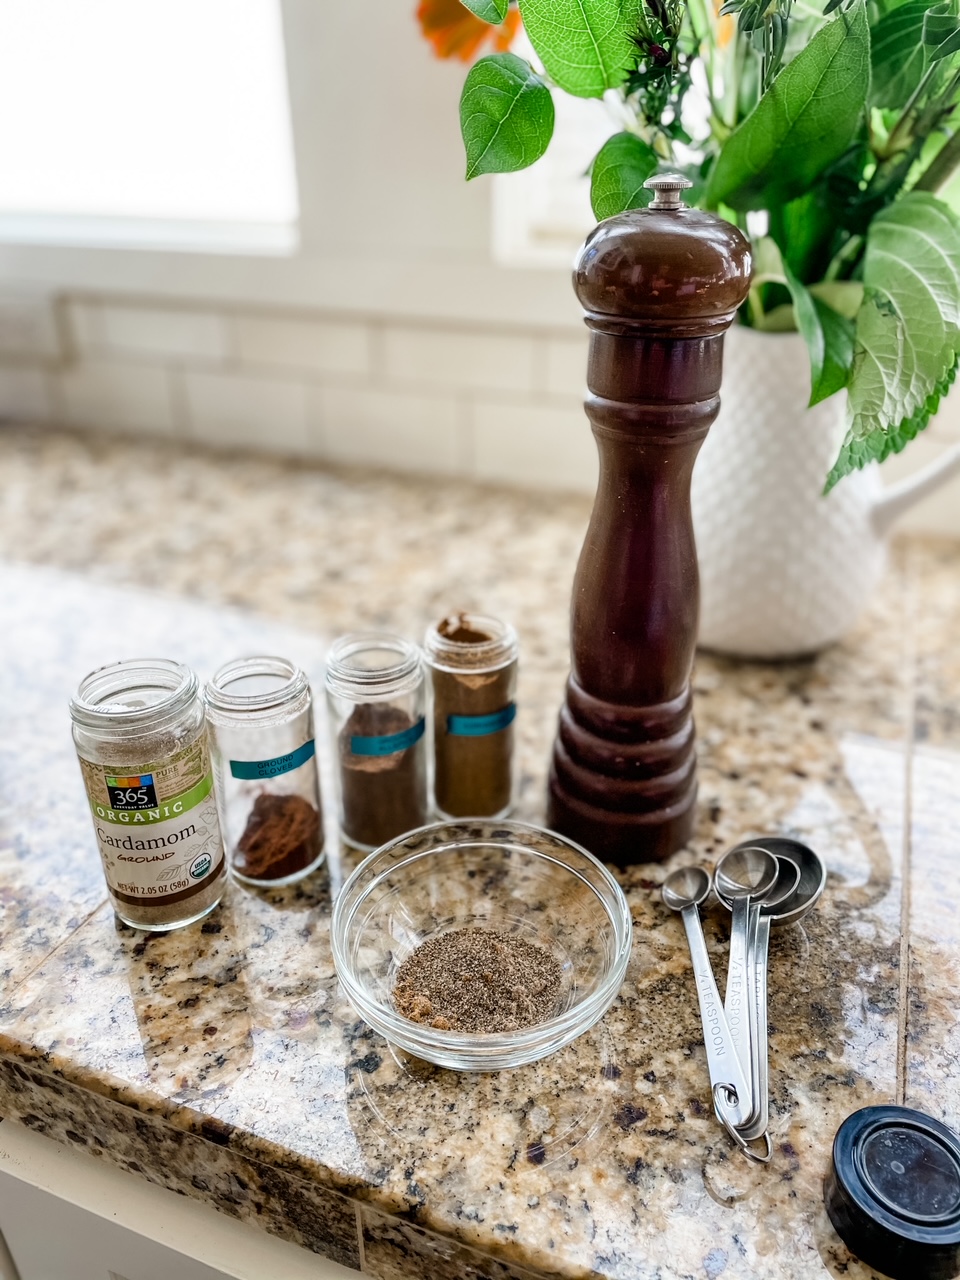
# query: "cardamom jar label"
[157,826]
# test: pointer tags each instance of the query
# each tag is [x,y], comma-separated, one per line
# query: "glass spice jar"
[472,662]
[264,755]
[141,738]
[375,692]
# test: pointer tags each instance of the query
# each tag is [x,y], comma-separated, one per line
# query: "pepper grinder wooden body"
[660,286]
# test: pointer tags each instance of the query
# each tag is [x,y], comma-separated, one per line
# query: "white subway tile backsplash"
[23,395]
[242,409]
[164,332]
[566,366]
[313,346]
[29,328]
[535,445]
[119,394]
[502,407]
[479,360]
[411,432]
[83,325]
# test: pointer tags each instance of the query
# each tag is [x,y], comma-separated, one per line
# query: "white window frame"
[387,223]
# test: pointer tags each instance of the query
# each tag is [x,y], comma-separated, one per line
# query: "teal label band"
[250,770]
[480,726]
[385,744]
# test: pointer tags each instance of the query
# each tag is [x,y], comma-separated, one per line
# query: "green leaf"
[829,339]
[802,124]
[879,445]
[506,115]
[621,167]
[801,227]
[842,296]
[585,45]
[896,54]
[908,324]
[838,339]
[493,11]
[941,31]
[780,319]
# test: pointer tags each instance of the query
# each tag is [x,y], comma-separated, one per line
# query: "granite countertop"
[223,1061]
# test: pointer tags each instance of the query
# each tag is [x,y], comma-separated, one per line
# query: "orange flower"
[455,32]
[726,25]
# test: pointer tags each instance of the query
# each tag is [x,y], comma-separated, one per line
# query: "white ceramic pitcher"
[783,570]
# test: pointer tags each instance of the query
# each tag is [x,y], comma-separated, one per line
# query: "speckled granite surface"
[224,1062]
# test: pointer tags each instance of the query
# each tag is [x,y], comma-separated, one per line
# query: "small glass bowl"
[482,874]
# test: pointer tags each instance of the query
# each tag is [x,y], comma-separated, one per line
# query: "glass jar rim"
[448,654]
[344,677]
[94,705]
[218,696]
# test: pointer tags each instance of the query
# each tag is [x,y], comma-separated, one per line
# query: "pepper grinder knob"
[667,190]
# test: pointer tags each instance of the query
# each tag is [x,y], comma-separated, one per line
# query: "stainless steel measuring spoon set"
[762,882]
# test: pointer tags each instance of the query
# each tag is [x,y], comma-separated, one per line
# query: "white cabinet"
[68,1216]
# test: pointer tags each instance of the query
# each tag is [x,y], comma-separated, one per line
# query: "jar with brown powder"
[472,661]
[375,693]
[264,752]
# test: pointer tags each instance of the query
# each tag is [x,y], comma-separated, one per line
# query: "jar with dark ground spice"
[472,662]
[375,692]
[260,712]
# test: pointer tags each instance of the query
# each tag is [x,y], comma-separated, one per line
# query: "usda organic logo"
[200,866]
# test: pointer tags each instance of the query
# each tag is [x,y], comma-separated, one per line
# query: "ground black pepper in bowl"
[478,980]
[511,883]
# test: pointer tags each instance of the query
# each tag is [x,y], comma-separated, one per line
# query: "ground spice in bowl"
[478,980]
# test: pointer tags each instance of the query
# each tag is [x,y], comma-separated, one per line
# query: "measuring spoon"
[732,881]
[683,891]
[812,877]
[743,875]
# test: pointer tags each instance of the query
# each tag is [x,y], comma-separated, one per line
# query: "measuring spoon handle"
[761,1057]
[722,1060]
[736,1004]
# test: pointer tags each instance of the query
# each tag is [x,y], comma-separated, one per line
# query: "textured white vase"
[783,569]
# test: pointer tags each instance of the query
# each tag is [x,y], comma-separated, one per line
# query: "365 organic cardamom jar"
[141,739]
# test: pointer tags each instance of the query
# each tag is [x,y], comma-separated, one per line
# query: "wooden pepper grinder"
[660,287]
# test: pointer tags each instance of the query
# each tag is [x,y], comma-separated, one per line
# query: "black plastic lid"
[893,1192]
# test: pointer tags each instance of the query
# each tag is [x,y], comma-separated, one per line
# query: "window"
[542,214]
[129,120]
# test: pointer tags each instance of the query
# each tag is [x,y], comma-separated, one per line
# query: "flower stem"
[941,166]
[894,142]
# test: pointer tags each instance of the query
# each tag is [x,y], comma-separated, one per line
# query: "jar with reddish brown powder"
[260,712]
